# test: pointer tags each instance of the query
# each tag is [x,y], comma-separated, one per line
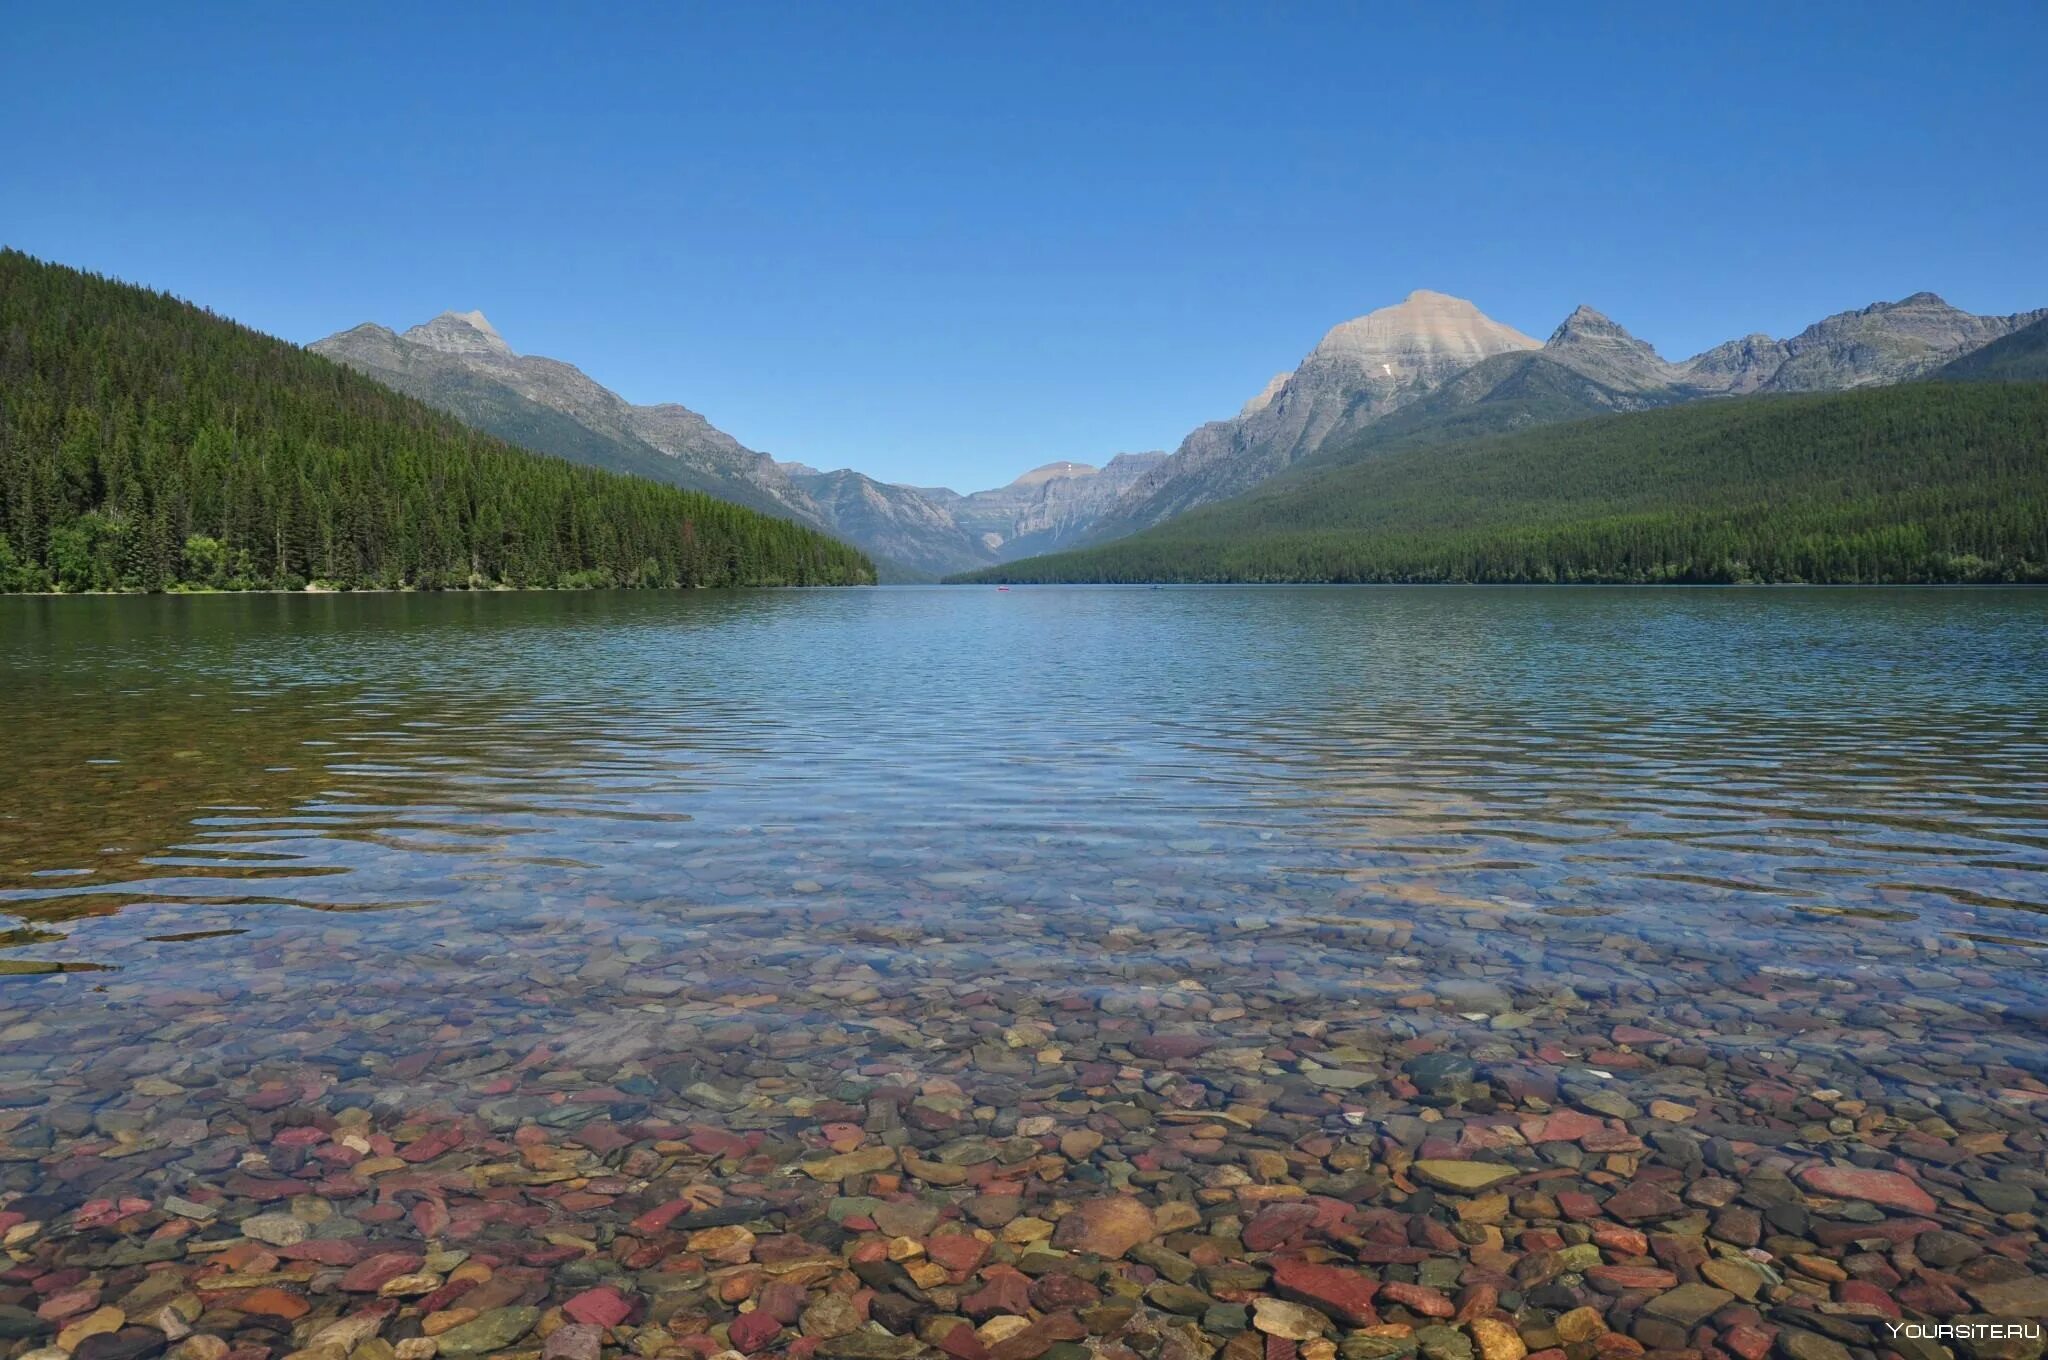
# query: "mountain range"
[459,363]
[1434,368]
[1913,482]
[1430,369]
[148,445]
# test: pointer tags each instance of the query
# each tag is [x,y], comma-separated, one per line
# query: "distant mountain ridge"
[1928,481]
[460,363]
[2018,356]
[1434,368]
[199,453]
[1360,371]
[1431,368]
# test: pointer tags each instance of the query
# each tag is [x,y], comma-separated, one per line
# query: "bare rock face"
[1736,367]
[1426,335]
[1049,507]
[460,363]
[1434,364]
[1367,367]
[467,334]
[1358,373]
[900,523]
[1265,396]
[1593,345]
[1885,342]
[1429,367]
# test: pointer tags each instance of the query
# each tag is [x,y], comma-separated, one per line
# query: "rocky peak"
[461,333]
[1884,342]
[1424,334]
[1053,472]
[1587,326]
[1736,366]
[1596,346]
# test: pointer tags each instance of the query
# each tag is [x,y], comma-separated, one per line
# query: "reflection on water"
[823,810]
[384,965]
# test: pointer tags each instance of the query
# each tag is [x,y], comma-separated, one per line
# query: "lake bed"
[1265,970]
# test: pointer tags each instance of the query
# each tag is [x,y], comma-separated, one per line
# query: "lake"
[1184,893]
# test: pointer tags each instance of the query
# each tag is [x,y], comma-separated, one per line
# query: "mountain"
[1886,342]
[460,363]
[1430,369]
[1914,482]
[1597,347]
[1049,507]
[900,525]
[2020,356]
[1359,372]
[1433,369]
[146,444]
[1590,366]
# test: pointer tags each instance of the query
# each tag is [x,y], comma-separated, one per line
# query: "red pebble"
[600,1307]
[1751,1343]
[370,1275]
[1577,1205]
[956,1251]
[753,1331]
[1627,1241]
[1417,1298]
[1887,1188]
[1343,1294]
[1566,1126]
[1867,1295]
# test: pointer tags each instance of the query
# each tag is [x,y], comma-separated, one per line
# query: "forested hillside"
[1925,482]
[2019,357]
[146,444]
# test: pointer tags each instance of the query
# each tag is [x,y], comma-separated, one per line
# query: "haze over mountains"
[1429,369]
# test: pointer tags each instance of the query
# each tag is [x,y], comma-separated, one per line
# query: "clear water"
[388,843]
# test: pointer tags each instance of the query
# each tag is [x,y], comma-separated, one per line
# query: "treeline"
[147,445]
[1925,482]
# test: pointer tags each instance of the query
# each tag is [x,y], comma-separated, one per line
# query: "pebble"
[495,1330]
[1371,1112]
[1105,1227]
[1291,1321]
[277,1230]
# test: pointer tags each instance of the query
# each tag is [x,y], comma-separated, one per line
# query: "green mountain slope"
[146,444]
[459,364]
[1501,395]
[496,410]
[2019,357]
[1923,482]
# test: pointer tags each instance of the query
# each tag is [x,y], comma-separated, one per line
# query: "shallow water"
[1086,791]
[747,859]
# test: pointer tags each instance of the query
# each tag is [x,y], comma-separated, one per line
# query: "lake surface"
[738,860]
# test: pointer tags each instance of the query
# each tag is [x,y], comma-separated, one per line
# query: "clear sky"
[946,242]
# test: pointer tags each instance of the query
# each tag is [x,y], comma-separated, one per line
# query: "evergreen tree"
[146,445]
[1923,482]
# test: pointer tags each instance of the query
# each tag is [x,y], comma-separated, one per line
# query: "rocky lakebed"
[583,979]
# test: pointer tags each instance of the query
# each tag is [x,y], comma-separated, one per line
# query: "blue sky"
[944,243]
